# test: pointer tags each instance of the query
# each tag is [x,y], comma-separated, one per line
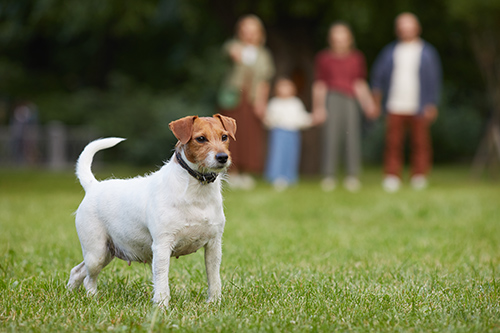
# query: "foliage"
[138,113]
[74,45]
[371,261]
[482,13]
[94,61]
[458,128]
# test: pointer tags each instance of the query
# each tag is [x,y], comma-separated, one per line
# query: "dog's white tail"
[83,166]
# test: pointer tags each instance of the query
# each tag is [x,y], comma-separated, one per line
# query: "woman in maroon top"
[340,79]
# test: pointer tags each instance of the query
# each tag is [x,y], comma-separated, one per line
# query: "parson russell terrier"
[170,213]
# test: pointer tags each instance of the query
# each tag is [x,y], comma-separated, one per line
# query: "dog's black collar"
[204,178]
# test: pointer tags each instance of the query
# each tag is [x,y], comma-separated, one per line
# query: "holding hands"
[430,112]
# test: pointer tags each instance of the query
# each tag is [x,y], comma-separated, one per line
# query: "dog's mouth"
[214,167]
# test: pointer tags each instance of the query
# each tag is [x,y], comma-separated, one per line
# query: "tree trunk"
[486,48]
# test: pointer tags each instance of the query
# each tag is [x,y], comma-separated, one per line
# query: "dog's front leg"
[161,264]
[213,257]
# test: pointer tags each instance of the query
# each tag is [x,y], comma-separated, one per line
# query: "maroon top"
[340,72]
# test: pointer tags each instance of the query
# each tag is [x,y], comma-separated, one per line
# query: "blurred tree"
[124,67]
[74,44]
[149,61]
[483,20]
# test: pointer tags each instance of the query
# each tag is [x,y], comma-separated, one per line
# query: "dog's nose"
[221,158]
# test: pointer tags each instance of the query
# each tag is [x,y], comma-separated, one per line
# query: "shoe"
[328,184]
[419,182]
[391,183]
[280,184]
[234,181]
[247,182]
[240,181]
[352,184]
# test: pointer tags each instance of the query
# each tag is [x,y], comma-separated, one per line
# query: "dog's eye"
[224,137]
[201,139]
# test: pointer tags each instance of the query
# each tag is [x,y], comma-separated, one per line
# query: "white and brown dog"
[170,213]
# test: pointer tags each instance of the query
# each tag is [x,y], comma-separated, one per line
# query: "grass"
[296,261]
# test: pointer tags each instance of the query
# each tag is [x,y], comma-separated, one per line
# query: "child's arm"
[306,119]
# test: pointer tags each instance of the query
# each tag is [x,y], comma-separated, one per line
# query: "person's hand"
[372,112]
[260,110]
[235,53]
[319,116]
[377,105]
[430,112]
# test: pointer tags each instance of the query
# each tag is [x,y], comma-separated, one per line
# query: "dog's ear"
[228,123]
[183,128]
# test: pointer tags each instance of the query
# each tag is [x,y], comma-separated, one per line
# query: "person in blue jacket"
[406,82]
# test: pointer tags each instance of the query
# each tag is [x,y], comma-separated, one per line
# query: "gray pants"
[341,132]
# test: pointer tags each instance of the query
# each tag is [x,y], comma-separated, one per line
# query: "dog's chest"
[197,221]
[195,234]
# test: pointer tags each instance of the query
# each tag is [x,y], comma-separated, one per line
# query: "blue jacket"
[429,74]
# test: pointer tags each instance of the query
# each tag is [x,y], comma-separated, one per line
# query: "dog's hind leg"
[94,263]
[76,276]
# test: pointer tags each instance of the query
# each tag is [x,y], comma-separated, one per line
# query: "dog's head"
[205,140]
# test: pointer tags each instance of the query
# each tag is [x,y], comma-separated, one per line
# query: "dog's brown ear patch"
[183,128]
[228,123]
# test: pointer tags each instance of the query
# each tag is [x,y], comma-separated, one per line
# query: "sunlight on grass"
[301,260]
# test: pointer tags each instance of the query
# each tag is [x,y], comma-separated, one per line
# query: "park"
[299,260]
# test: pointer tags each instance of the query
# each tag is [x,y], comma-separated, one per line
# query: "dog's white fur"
[147,219]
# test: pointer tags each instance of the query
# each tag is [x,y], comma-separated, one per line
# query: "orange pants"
[420,144]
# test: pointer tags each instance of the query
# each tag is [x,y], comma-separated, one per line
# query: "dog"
[172,212]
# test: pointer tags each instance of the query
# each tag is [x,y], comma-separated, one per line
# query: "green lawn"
[300,260]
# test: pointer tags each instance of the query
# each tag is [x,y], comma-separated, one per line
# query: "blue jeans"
[283,156]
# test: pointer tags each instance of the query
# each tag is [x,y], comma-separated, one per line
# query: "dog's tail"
[83,166]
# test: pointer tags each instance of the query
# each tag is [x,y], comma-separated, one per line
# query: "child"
[285,117]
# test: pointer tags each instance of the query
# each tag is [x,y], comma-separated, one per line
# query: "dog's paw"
[71,286]
[92,292]
[215,299]
[161,302]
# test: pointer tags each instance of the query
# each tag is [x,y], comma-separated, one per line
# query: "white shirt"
[249,55]
[404,93]
[287,113]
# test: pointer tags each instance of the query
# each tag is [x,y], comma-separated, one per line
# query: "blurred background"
[75,70]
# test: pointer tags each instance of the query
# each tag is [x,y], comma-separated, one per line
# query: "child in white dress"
[285,117]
